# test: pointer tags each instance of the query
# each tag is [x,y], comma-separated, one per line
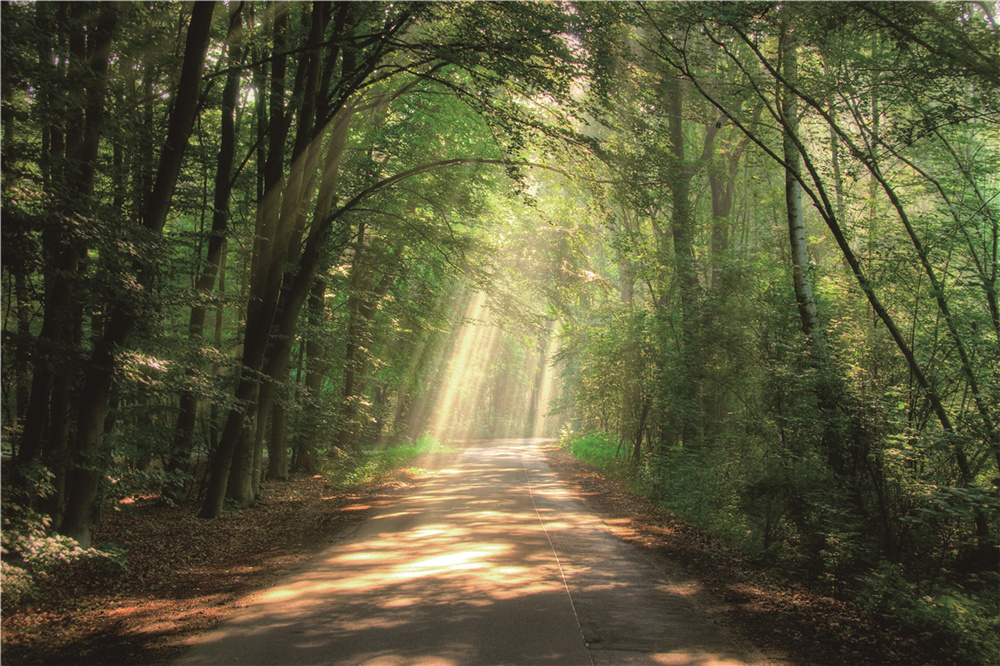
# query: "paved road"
[491,561]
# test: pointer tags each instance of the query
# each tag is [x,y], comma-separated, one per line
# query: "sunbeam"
[494,384]
[465,373]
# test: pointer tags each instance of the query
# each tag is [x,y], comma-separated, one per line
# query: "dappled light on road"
[488,562]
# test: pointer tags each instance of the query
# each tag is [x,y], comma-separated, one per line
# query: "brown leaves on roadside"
[184,574]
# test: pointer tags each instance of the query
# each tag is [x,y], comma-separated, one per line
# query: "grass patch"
[603,452]
[376,465]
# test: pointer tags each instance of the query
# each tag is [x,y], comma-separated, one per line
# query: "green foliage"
[30,551]
[696,483]
[962,628]
[595,447]
[348,469]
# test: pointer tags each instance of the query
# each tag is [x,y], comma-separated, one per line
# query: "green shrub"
[596,448]
[962,629]
[29,550]
[358,468]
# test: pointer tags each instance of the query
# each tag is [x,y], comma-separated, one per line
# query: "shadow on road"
[492,561]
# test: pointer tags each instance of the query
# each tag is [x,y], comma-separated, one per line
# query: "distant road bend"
[491,561]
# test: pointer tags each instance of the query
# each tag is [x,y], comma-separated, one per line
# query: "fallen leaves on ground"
[184,575]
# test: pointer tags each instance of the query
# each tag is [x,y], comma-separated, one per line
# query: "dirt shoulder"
[186,575]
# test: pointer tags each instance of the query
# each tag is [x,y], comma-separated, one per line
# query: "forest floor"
[186,575]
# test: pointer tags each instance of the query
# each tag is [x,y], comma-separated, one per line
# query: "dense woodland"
[745,253]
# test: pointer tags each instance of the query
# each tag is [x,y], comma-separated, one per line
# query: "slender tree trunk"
[345,438]
[723,185]
[277,462]
[632,376]
[793,189]
[213,423]
[234,457]
[838,178]
[682,226]
[23,361]
[360,340]
[60,246]
[317,367]
[19,270]
[722,204]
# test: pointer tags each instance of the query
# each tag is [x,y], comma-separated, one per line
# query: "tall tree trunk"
[361,305]
[632,376]
[276,298]
[213,422]
[307,148]
[277,459]
[19,270]
[233,462]
[23,360]
[72,168]
[81,511]
[280,241]
[682,223]
[722,185]
[345,438]
[60,245]
[205,283]
[317,366]
[360,341]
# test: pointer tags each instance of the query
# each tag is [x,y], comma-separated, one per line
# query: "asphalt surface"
[491,561]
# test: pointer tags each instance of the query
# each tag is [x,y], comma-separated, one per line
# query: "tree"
[205,283]
[788,109]
[96,389]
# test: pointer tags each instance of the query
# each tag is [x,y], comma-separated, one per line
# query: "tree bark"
[682,228]
[317,367]
[802,282]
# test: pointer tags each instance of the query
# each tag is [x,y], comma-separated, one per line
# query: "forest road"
[490,561]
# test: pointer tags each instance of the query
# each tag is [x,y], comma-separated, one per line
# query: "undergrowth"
[356,468]
[30,550]
[959,627]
